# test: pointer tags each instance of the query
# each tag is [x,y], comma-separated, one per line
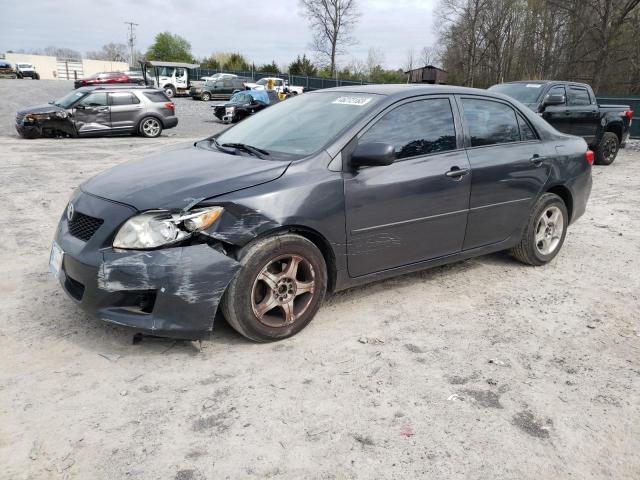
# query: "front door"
[92,114]
[558,116]
[509,170]
[414,209]
[182,81]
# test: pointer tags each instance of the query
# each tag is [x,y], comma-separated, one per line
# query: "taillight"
[590,156]
[170,106]
[629,114]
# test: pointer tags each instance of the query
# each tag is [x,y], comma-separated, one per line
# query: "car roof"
[117,87]
[408,89]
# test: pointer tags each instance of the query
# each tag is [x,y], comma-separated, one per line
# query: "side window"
[123,98]
[227,83]
[578,96]
[219,84]
[94,100]
[180,72]
[526,132]
[416,128]
[490,123]
[558,90]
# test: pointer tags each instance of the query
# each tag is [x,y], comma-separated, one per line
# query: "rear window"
[158,97]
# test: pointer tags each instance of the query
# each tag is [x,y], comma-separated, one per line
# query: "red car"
[108,77]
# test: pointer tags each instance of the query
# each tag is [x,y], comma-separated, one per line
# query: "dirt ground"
[483,369]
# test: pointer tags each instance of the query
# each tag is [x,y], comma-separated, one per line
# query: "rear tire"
[607,149]
[278,290]
[545,232]
[206,96]
[150,127]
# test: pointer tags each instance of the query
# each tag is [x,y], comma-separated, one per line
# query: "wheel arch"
[314,237]
[615,128]
[565,194]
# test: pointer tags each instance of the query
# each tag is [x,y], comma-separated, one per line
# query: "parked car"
[25,70]
[279,85]
[324,191]
[7,70]
[220,89]
[572,107]
[104,78]
[217,76]
[97,111]
[243,104]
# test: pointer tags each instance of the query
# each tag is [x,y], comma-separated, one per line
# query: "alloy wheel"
[283,290]
[549,230]
[609,150]
[151,127]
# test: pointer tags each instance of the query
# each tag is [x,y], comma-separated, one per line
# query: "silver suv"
[103,110]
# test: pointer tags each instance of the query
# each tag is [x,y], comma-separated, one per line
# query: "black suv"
[220,89]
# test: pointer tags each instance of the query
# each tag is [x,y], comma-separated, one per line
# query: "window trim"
[456,124]
[579,87]
[467,134]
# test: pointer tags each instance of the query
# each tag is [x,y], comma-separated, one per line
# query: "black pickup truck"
[572,108]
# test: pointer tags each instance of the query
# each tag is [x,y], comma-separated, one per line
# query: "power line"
[132,41]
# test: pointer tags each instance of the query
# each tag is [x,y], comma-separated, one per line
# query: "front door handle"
[457,173]
[102,109]
[537,160]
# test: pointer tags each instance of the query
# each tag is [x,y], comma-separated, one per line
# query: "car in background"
[322,192]
[221,88]
[279,85]
[218,76]
[107,78]
[7,70]
[27,70]
[244,103]
[572,108]
[98,111]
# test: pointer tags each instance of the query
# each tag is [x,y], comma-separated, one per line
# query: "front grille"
[83,226]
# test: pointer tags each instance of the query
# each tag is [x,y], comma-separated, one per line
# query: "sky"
[262,30]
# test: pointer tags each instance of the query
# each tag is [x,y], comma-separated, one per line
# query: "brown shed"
[427,74]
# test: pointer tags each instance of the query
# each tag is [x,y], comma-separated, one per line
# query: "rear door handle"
[537,160]
[457,173]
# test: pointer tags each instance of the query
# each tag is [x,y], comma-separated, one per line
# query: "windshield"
[262,81]
[523,92]
[24,65]
[301,125]
[69,99]
[241,97]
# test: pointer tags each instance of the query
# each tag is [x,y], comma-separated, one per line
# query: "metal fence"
[634,102]
[309,83]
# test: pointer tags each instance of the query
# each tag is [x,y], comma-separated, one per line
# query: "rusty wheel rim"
[283,291]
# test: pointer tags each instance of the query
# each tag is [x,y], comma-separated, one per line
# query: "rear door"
[509,169]
[92,114]
[558,116]
[411,210]
[125,110]
[585,116]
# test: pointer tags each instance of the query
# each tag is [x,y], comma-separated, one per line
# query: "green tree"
[269,68]
[210,62]
[237,62]
[302,66]
[169,47]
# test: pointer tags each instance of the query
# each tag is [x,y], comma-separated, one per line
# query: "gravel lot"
[481,369]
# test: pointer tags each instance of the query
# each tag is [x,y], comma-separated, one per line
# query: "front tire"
[206,96]
[170,91]
[278,290]
[607,149]
[150,127]
[545,232]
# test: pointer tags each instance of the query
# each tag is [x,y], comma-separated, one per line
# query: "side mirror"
[79,107]
[51,102]
[554,100]
[375,154]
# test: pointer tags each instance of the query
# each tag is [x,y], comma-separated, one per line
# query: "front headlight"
[230,110]
[157,228]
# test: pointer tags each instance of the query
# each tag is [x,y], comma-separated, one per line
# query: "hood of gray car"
[179,179]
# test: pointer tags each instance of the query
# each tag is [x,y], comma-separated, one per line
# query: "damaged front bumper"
[172,292]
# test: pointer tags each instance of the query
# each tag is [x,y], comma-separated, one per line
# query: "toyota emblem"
[70,211]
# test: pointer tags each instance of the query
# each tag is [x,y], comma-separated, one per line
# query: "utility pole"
[132,41]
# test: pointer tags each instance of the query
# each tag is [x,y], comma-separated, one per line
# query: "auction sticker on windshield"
[55,259]
[359,101]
